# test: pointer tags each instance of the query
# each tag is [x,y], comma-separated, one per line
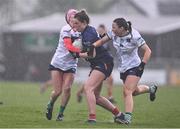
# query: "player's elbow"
[98,43]
[150,52]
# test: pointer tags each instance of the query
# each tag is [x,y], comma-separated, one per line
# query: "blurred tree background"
[17,10]
[158,21]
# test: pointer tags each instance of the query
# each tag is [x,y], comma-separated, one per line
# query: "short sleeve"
[138,38]
[140,41]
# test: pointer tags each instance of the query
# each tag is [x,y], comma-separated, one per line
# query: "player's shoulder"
[137,37]
[91,29]
[135,33]
[90,34]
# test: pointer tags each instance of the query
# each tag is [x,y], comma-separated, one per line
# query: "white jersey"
[127,49]
[62,58]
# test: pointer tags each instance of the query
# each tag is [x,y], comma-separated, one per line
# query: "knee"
[57,93]
[67,90]
[88,89]
[127,91]
[135,93]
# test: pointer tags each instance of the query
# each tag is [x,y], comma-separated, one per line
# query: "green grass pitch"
[24,107]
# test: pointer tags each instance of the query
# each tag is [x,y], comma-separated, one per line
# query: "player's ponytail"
[129,26]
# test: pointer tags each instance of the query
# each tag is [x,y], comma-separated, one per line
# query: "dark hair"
[102,26]
[82,16]
[121,22]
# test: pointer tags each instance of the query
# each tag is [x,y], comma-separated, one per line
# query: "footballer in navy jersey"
[101,67]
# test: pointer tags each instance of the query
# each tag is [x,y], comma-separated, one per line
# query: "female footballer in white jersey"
[63,66]
[127,41]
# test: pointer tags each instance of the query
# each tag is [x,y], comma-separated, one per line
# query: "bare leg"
[57,82]
[141,89]
[94,80]
[129,87]
[68,79]
[57,90]
[102,101]
[92,91]
[109,82]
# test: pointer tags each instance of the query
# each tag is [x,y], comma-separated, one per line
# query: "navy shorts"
[71,70]
[133,71]
[105,68]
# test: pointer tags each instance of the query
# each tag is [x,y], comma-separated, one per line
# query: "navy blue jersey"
[89,36]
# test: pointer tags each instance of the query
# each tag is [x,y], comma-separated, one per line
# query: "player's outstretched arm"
[101,41]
